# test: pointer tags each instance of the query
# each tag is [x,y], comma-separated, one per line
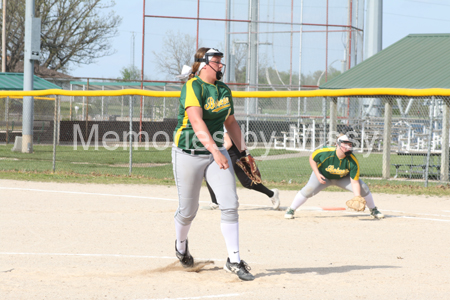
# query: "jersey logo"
[216,106]
[332,170]
[210,103]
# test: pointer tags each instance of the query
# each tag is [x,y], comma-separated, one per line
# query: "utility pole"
[4,67]
[31,53]
[132,50]
[373,45]
[4,37]
[228,42]
[252,56]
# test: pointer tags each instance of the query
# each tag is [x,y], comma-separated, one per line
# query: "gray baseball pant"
[189,171]
[314,186]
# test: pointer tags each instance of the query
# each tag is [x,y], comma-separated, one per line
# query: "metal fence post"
[164,105]
[246,119]
[333,115]
[7,119]
[103,98]
[430,136]
[55,117]
[87,111]
[324,112]
[71,100]
[131,135]
[387,139]
[58,100]
[121,107]
[83,108]
[445,140]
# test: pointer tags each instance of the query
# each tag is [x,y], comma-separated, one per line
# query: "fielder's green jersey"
[216,103]
[334,168]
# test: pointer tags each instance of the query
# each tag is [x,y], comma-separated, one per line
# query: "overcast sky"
[400,18]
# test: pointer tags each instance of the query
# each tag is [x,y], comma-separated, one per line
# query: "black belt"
[196,152]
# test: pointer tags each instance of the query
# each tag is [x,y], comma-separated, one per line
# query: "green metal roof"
[14,82]
[418,61]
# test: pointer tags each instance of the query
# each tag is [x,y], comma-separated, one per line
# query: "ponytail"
[198,55]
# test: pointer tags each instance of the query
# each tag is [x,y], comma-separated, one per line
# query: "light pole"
[4,37]
[31,54]
[4,64]
[324,107]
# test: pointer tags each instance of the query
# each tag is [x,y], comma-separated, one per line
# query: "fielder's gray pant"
[314,186]
[189,171]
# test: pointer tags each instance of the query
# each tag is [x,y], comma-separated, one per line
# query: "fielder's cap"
[344,138]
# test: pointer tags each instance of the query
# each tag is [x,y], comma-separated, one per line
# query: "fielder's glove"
[357,203]
[248,165]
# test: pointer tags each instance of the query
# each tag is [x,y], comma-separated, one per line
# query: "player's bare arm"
[227,143]
[195,116]
[235,133]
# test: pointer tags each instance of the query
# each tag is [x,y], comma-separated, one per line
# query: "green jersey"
[334,168]
[217,104]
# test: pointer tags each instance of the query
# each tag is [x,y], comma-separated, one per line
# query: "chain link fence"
[395,137]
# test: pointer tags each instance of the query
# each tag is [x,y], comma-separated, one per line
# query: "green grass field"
[152,166]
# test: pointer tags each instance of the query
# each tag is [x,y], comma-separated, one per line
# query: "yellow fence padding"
[264,94]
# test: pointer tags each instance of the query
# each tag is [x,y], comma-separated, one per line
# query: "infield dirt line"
[199,297]
[241,204]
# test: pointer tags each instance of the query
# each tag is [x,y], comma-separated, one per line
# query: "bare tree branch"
[178,50]
[240,57]
[73,32]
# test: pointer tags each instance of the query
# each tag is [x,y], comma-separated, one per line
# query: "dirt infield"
[75,241]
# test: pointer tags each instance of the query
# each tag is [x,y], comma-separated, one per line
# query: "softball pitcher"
[206,106]
[334,166]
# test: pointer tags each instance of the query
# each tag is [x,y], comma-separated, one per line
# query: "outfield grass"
[151,166]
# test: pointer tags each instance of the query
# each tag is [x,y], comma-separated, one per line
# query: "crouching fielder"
[334,166]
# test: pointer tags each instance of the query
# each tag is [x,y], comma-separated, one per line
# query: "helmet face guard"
[207,59]
[208,55]
[345,145]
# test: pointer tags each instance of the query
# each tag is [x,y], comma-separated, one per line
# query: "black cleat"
[186,259]
[240,269]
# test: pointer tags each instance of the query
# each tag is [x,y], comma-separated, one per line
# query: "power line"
[417,17]
[428,3]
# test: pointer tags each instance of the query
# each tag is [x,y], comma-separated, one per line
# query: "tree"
[178,49]
[240,60]
[312,79]
[279,78]
[130,73]
[72,31]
